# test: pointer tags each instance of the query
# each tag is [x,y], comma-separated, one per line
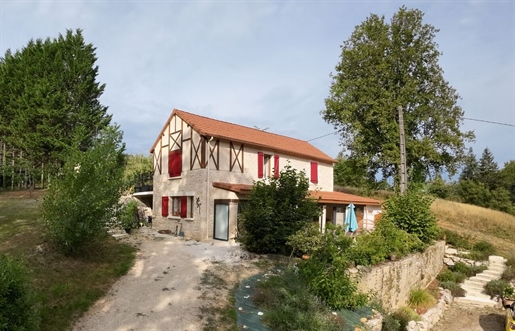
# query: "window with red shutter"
[164,206]
[276,166]
[175,163]
[261,160]
[184,207]
[314,172]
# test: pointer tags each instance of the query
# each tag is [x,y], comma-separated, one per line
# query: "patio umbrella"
[351,224]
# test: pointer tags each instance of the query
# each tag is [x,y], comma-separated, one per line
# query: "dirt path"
[467,317]
[161,291]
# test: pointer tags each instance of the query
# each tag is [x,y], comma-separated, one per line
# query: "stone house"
[204,169]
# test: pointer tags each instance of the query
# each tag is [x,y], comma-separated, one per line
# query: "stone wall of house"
[393,281]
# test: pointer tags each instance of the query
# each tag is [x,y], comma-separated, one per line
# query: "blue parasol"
[351,224]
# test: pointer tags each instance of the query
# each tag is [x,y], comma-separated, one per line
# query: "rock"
[363,320]
[448,262]
[452,251]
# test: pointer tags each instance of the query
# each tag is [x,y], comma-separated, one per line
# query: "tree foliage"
[411,212]
[83,197]
[49,98]
[276,209]
[384,66]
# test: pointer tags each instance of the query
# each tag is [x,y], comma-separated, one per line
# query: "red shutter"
[184,207]
[261,160]
[276,166]
[164,206]
[314,172]
[170,163]
[175,163]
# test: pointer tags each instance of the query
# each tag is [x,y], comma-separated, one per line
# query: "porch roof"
[325,197]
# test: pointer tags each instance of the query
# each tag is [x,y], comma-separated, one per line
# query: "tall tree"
[50,99]
[488,170]
[384,66]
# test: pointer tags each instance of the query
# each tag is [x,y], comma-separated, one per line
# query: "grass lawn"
[65,286]
[477,223]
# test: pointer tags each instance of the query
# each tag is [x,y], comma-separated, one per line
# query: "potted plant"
[507,296]
[129,216]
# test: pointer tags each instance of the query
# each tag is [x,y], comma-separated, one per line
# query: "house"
[204,169]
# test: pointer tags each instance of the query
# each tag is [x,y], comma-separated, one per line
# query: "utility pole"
[404,177]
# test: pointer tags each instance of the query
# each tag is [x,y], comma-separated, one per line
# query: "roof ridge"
[244,126]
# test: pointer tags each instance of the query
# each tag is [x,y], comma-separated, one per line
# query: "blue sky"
[266,63]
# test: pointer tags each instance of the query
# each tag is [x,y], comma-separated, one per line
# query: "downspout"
[208,186]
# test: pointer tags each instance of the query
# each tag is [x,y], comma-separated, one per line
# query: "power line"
[465,118]
[325,135]
[485,121]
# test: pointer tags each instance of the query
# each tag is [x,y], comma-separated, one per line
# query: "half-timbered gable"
[203,168]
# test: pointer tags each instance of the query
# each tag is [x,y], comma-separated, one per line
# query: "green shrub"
[128,216]
[496,287]
[455,240]
[420,298]
[467,270]
[404,315]
[325,272]
[511,261]
[481,251]
[391,323]
[455,289]
[452,276]
[82,199]
[289,305]
[508,274]
[411,212]
[276,209]
[17,304]
[307,240]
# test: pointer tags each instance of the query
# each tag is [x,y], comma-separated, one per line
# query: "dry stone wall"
[392,282]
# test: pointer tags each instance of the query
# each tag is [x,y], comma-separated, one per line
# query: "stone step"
[483,277]
[483,300]
[495,273]
[496,268]
[496,259]
[473,287]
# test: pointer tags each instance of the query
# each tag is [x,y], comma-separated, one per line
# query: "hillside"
[477,223]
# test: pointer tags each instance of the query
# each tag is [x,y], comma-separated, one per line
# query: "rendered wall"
[393,281]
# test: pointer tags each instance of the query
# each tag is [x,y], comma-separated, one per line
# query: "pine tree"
[470,169]
[50,97]
[488,171]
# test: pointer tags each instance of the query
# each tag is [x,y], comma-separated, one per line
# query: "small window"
[176,206]
[267,166]
[182,207]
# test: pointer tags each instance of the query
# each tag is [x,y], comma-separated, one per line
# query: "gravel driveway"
[161,290]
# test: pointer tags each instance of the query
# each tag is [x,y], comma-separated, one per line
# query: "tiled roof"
[250,136]
[343,198]
[325,197]
[236,188]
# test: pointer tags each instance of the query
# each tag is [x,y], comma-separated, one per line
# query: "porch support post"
[322,219]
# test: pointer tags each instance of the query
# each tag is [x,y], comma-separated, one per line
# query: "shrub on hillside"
[17,304]
[455,240]
[411,212]
[455,289]
[496,287]
[325,272]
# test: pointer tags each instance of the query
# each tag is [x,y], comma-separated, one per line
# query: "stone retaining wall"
[392,282]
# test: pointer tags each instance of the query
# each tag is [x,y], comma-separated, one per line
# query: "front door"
[221,221]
